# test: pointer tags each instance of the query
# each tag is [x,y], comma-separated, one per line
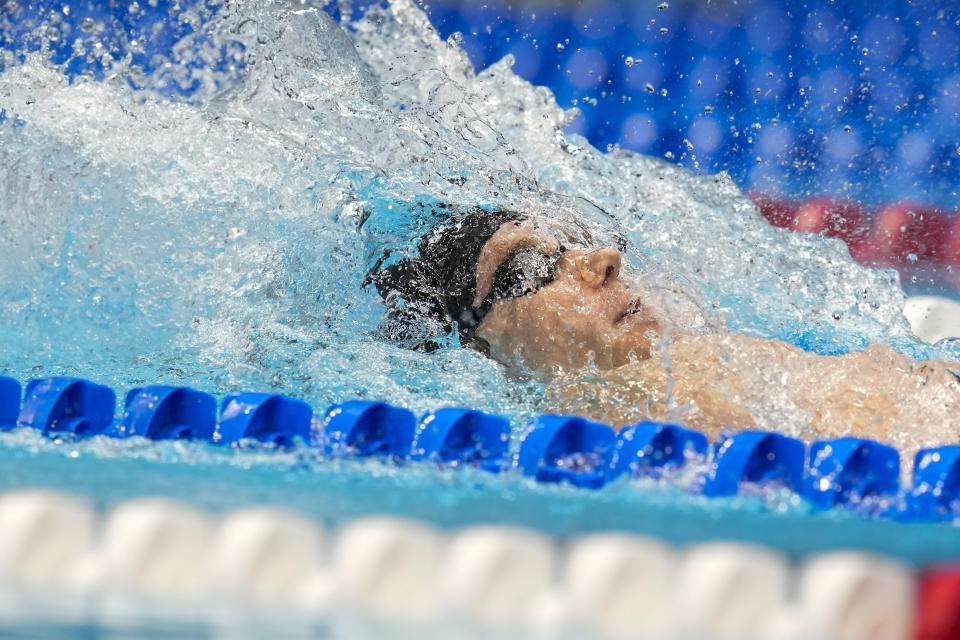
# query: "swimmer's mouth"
[635,307]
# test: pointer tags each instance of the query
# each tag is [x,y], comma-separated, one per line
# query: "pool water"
[219,238]
[336,491]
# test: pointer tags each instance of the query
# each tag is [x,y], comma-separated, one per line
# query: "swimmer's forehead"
[533,233]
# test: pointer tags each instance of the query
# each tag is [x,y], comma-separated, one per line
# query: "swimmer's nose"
[600,267]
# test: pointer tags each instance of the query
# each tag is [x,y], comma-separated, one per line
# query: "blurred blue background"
[857,99]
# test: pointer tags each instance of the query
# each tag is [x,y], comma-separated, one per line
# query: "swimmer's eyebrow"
[508,239]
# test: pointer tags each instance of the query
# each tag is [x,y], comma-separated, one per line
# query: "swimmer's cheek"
[634,345]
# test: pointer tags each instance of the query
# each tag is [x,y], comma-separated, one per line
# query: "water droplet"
[668,155]
[649,88]
[847,128]
[837,315]
[87,24]
[912,258]
[455,38]
[865,51]
[134,7]
[663,92]
[66,9]
[560,47]
[664,31]
[854,38]
[708,108]
[663,6]
[53,34]
[688,144]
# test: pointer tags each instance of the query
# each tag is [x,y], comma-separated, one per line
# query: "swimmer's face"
[587,315]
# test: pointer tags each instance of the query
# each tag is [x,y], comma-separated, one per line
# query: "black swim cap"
[430,295]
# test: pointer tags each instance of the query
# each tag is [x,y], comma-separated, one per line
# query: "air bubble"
[560,46]
[628,61]
[663,6]
[664,31]
[87,24]
[649,88]
[455,38]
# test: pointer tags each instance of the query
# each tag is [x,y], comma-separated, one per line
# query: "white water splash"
[222,241]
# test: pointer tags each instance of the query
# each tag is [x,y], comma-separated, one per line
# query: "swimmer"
[529,293]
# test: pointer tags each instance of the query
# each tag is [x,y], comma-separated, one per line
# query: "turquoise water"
[335,491]
[221,241]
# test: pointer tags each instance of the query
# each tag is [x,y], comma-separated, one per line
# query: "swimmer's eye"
[523,273]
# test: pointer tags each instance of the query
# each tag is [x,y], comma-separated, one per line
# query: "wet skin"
[586,316]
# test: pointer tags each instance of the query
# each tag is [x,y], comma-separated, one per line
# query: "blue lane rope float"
[567,449]
[650,447]
[9,402]
[363,428]
[168,413]
[67,405]
[843,472]
[462,436]
[847,471]
[755,457]
[265,417]
[935,494]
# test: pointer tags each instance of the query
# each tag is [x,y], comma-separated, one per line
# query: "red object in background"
[903,235]
[906,233]
[778,211]
[834,218]
[831,217]
[938,605]
[951,248]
